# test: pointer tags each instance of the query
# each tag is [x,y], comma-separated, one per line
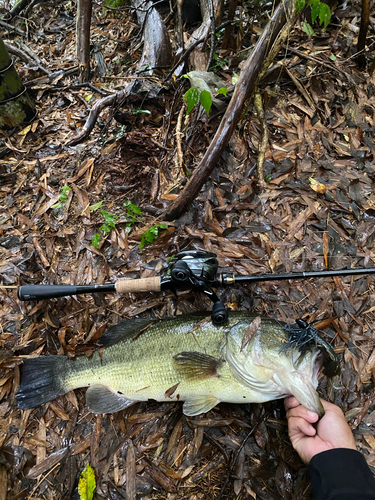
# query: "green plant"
[121,133]
[217,63]
[192,97]
[318,9]
[132,213]
[63,197]
[151,234]
[110,223]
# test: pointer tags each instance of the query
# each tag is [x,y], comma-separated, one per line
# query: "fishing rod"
[195,270]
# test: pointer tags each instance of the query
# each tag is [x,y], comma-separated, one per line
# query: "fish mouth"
[308,397]
[303,385]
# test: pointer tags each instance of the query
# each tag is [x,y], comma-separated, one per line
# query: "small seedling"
[110,223]
[132,213]
[63,197]
[201,90]
[318,9]
[217,63]
[151,234]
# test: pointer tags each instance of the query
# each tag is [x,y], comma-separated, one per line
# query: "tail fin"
[41,381]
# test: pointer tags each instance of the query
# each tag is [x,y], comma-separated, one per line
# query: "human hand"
[332,430]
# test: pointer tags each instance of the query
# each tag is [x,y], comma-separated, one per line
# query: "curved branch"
[94,113]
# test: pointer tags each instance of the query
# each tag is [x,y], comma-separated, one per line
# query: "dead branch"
[227,39]
[95,111]
[157,51]
[24,57]
[12,28]
[258,104]
[18,8]
[365,19]
[83,24]
[243,90]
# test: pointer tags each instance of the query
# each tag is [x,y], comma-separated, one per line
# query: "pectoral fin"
[196,365]
[199,404]
[100,399]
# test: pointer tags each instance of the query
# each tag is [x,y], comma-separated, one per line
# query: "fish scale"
[186,358]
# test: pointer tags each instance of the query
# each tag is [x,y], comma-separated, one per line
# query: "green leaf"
[299,5]
[206,100]
[96,239]
[192,98]
[268,178]
[223,90]
[57,205]
[308,29]
[134,208]
[105,228]
[109,218]
[95,207]
[86,483]
[151,234]
[315,11]
[324,14]
[333,57]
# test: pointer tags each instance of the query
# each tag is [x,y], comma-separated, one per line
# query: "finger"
[302,412]
[300,425]
[291,402]
[331,407]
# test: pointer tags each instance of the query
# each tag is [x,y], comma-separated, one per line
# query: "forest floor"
[323,130]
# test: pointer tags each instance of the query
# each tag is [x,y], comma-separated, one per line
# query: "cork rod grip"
[140,285]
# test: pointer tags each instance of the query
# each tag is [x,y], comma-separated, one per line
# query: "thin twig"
[180,158]
[12,28]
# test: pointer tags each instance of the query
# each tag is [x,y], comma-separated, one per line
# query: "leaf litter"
[317,211]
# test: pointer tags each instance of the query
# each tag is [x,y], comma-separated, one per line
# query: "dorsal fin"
[127,328]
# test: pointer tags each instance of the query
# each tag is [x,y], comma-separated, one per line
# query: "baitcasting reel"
[197,269]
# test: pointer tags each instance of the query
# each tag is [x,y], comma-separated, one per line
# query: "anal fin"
[101,399]
[199,404]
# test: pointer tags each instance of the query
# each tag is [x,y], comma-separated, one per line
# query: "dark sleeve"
[341,474]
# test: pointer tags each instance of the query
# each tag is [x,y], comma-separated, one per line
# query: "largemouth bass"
[186,358]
